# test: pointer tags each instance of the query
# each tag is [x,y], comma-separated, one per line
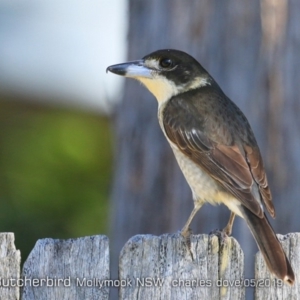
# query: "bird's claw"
[186,234]
[221,234]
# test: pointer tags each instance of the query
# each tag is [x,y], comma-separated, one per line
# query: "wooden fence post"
[67,269]
[10,260]
[268,287]
[151,267]
[162,267]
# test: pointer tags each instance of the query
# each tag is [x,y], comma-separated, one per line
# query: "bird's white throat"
[164,89]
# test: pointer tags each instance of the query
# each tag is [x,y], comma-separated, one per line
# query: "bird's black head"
[175,65]
[165,73]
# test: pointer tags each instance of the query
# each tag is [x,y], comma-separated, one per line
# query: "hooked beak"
[133,69]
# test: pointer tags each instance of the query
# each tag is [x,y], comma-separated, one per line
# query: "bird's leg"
[228,228]
[223,234]
[186,232]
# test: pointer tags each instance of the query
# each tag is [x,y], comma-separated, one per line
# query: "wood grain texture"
[71,261]
[167,258]
[10,260]
[270,288]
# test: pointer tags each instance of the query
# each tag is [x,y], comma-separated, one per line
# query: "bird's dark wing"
[223,145]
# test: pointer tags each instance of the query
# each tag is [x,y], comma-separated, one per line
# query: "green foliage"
[55,171]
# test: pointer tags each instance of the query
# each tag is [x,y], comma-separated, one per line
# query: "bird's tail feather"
[269,246]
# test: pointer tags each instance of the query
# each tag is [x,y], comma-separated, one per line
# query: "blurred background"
[56,104]
[82,153]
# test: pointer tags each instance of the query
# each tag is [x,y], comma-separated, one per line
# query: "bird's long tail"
[269,246]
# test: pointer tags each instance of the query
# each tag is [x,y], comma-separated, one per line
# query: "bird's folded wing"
[239,171]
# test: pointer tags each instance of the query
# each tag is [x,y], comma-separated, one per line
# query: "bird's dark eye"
[166,63]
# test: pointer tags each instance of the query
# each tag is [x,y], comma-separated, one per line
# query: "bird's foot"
[186,234]
[221,234]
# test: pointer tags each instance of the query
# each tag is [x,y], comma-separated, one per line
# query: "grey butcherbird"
[213,144]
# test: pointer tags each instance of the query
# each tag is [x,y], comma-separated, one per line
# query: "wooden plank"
[10,260]
[268,286]
[162,267]
[67,269]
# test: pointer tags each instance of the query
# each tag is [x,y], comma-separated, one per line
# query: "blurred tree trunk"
[251,48]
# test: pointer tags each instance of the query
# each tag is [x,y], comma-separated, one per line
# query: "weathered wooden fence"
[150,267]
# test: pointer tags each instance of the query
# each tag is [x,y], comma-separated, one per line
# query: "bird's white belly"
[204,188]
